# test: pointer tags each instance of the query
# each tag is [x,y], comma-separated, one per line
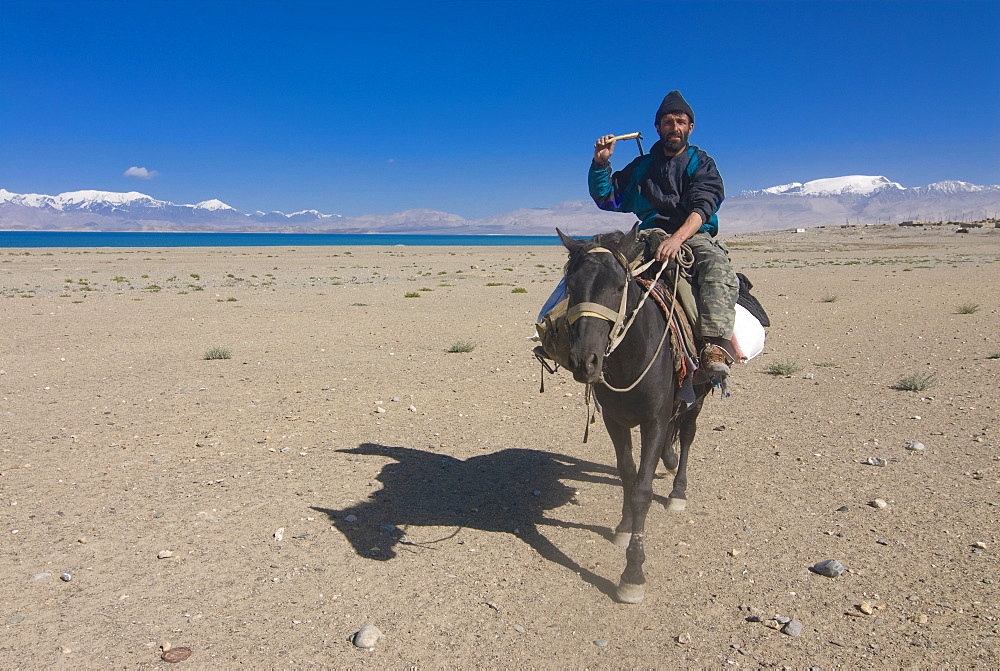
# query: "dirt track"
[482,521]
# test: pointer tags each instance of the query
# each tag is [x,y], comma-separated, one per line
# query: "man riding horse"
[677,187]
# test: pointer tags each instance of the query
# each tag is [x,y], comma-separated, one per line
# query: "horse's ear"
[569,243]
[628,240]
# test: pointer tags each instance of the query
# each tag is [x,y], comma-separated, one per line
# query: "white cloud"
[140,173]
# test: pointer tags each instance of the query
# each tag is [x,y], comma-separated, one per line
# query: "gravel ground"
[342,468]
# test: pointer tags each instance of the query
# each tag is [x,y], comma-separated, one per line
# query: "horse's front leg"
[631,587]
[621,436]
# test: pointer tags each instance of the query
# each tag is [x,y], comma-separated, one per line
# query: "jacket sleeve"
[605,187]
[706,191]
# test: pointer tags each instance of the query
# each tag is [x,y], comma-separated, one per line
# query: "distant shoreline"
[66,239]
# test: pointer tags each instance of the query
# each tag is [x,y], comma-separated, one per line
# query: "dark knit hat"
[674,102]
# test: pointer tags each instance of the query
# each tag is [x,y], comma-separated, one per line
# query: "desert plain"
[342,467]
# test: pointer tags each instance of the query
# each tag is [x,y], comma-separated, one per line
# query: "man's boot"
[715,359]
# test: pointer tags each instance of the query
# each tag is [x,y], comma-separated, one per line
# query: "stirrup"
[544,359]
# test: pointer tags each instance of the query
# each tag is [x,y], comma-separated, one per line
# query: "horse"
[635,385]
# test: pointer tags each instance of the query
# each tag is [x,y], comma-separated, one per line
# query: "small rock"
[351,518]
[395,399]
[866,608]
[39,576]
[684,638]
[537,492]
[66,577]
[174,655]
[879,503]
[772,624]
[735,553]
[279,534]
[831,568]
[915,446]
[979,545]
[601,643]
[412,408]
[367,636]
[793,628]
[14,619]
[164,554]
[875,461]
[782,620]
[380,409]
[810,376]
[519,629]
[920,619]
[842,509]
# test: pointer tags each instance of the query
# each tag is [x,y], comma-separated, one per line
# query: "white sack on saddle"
[748,334]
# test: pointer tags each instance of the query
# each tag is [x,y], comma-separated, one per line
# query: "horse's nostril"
[592,363]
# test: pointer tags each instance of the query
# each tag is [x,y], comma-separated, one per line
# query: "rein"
[619,323]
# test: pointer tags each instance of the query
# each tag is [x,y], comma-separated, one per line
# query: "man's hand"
[604,148]
[668,248]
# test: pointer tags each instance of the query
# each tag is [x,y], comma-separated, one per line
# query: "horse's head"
[596,277]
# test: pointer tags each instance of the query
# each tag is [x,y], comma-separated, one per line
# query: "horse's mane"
[612,241]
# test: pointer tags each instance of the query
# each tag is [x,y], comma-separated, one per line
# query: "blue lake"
[136,239]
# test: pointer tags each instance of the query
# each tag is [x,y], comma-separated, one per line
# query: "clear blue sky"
[478,108]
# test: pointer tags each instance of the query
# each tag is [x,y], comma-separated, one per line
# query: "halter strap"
[591,310]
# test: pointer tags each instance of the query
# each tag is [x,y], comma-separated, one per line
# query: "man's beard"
[675,142]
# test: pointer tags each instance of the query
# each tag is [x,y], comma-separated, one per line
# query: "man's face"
[674,129]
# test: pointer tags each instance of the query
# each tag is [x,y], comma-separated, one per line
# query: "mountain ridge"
[826,201]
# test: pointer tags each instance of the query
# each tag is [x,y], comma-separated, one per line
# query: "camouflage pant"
[717,286]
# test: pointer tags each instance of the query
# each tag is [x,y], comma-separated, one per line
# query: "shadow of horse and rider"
[507,491]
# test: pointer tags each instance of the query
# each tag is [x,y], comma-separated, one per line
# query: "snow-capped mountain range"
[854,199]
[139,205]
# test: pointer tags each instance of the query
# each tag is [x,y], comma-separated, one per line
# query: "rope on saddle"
[683,262]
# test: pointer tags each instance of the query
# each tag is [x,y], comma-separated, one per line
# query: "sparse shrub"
[219,353]
[411,294]
[518,290]
[783,368]
[968,308]
[915,382]
[830,298]
[426,289]
[462,346]
[826,364]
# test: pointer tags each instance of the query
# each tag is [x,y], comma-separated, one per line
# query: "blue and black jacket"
[654,185]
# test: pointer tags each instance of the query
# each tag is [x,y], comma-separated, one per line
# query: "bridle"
[620,322]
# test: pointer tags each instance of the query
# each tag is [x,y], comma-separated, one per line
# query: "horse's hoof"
[677,505]
[628,593]
[622,539]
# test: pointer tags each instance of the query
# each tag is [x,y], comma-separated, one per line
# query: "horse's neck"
[645,332]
